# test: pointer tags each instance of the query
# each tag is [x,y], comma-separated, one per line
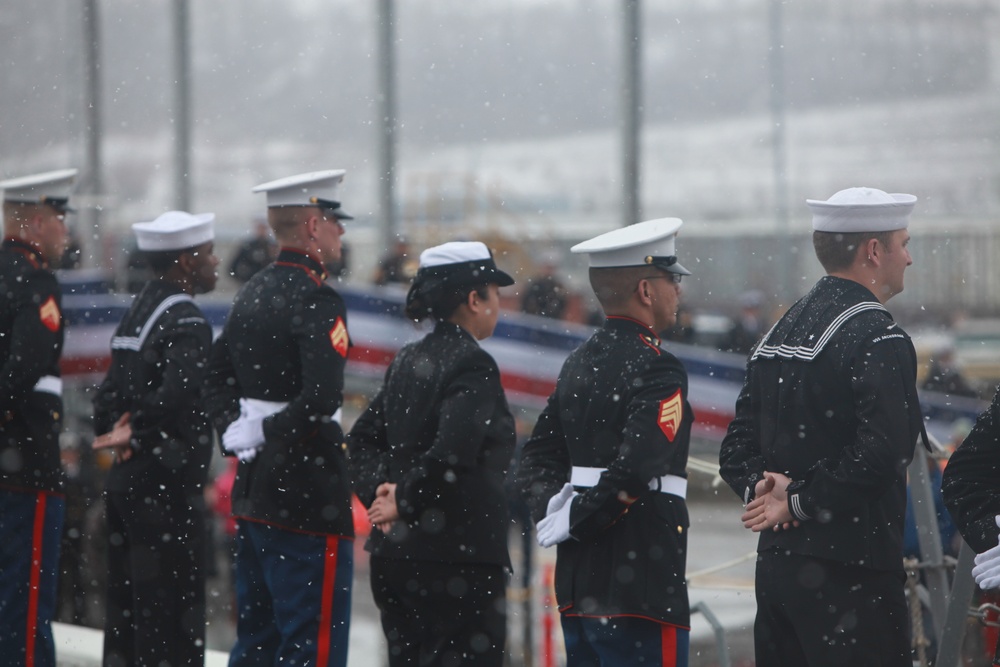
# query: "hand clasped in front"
[769,508]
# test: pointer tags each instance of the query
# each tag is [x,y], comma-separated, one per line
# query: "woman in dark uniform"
[429,458]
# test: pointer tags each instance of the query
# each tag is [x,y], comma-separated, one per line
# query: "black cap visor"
[668,264]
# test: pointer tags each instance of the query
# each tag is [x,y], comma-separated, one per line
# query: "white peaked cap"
[644,243]
[454,252]
[51,187]
[175,230]
[862,210]
[314,188]
[462,262]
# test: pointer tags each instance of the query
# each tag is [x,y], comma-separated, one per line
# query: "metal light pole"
[776,62]
[631,98]
[93,182]
[386,93]
[182,107]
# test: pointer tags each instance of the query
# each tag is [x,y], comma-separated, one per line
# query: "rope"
[701,578]
[918,640]
[707,468]
[750,555]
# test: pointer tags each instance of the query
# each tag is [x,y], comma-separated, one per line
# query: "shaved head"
[615,286]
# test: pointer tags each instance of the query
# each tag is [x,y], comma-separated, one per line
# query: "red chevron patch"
[339,338]
[670,415]
[49,314]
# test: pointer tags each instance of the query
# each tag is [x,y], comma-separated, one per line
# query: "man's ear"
[186,262]
[873,251]
[312,226]
[642,289]
[34,223]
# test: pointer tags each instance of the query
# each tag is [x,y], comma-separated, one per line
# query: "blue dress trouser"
[293,593]
[609,641]
[31,524]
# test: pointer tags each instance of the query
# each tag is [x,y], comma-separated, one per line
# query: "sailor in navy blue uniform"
[430,455]
[825,426]
[274,392]
[604,469]
[148,411]
[32,504]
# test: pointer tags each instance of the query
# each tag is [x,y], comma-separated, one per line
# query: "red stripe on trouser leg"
[326,609]
[35,581]
[668,645]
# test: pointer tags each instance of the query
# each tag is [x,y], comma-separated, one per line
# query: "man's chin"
[888,293]
[205,289]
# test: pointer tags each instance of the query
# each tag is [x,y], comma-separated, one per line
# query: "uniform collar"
[159,286]
[302,259]
[845,287]
[31,251]
[623,323]
[445,327]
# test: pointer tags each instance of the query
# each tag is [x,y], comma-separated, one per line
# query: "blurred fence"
[951,271]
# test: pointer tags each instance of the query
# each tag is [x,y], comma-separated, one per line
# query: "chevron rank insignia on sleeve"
[670,415]
[49,314]
[339,338]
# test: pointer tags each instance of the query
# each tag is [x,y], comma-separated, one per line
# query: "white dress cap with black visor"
[461,263]
[862,210]
[52,188]
[454,264]
[174,230]
[314,188]
[649,243]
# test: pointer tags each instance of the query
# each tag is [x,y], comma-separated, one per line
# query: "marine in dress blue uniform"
[274,392]
[32,504]
[148,410]
[434,445]
[825,426]
[604,469]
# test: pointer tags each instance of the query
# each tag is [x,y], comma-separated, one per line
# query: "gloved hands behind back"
[987,569]
[244,436]
[554,528]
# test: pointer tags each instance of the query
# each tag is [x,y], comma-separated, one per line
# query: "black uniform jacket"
[441,430]
[620,403]
[31,341]
[286,341]
[158,357]
[971,484]
[830,400]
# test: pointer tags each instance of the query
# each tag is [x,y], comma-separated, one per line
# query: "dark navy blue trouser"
[447,614]
[31,524]
[821,613]
[293,593]
[155,602]
[623,640]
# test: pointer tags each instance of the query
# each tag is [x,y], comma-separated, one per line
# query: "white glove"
[247,455]
[554,528]
[244,434]
[987,569]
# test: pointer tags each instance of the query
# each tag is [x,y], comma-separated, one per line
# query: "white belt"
[49,384]
[260,408]
[672,484]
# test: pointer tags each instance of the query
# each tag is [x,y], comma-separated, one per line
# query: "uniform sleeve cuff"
[795,507]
